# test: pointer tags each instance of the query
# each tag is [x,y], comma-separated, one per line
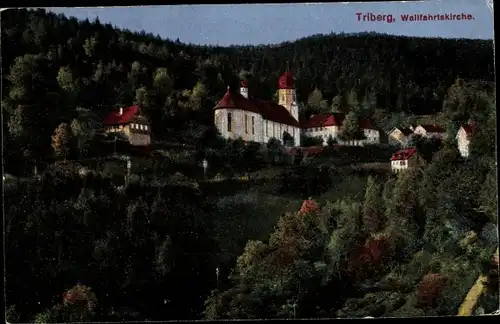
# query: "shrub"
[429,290]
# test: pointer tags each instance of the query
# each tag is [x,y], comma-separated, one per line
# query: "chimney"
[120,112]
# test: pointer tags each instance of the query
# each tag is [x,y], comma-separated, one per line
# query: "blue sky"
[274,23]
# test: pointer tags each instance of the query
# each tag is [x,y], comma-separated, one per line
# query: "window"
[146,127]
[293,131]
[229,121]
[253,125]
[267,127]
[246,124]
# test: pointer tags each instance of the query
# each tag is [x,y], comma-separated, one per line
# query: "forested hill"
[96,66]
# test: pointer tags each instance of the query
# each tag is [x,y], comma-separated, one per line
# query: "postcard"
[250,161]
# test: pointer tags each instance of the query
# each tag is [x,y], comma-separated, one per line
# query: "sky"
[255,24]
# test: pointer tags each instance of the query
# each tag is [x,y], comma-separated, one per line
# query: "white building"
[463,139]
[400,136]
[238,115]
[430,131]
[406,159]
[326,125]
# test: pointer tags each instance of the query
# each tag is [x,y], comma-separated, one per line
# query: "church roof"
[286,81]
[267,109]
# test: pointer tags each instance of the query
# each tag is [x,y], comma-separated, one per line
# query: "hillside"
[95,66]
[183,239]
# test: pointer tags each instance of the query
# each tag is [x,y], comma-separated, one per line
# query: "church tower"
[244,88]
[286,94]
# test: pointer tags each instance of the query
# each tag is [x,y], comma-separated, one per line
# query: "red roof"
[267,109]
[115,118]
[468,129]
[403,154]
[244,84]
[286,81]
[333,119]
[433,128]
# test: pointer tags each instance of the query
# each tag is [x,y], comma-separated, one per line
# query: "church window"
[253,125]
[229,121]
[246,124]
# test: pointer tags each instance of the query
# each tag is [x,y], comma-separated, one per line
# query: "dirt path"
[470,303]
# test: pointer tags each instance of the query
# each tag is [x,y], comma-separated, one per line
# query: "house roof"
[333,119]
[267,109]
[115,118]
[403,154]
[244,84]
[286,81]
[433,128]
[405,130]
[468,128]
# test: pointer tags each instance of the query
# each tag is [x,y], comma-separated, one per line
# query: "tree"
[316,102]
[488,196]
[352,130]
[403,212]
[67,83]
[371,207]
[61,141]
[274,149]
[288,139]
[331,141]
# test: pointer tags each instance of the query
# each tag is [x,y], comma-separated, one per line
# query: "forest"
[173,245]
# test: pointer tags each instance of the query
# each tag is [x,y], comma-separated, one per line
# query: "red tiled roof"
[366,124]
[468,128]
[433,128]
[333,119]
[403,154]
[114,118]
[236,101]
[272,111]
[324,120]
[286,81]
[244,84]
[267,109]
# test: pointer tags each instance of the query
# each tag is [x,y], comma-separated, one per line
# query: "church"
[238,115]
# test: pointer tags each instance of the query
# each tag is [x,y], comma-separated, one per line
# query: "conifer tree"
[371,207]
[61,141]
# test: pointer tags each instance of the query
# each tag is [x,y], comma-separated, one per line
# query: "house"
[400,135]
[331,124]
[129,123]
[406,159]
[430,131]
[463,139]
[238,114]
